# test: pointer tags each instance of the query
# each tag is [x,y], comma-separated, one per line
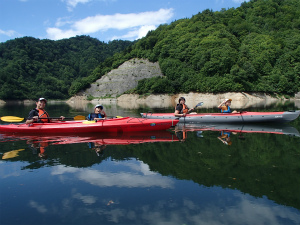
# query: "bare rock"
[124,78]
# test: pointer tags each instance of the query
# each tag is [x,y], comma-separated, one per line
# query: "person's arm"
[222,103]
[177,113]
[88,117]
[191,110]
[104,115]
[32,117]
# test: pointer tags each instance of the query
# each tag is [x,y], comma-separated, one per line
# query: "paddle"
[12,154]
[199,104]
[13,119]
[95,121]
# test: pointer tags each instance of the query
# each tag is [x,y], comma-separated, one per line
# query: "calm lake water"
[190,175]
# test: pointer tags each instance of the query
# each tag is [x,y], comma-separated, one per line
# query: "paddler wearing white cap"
[98,113]
[39,114]
[225,106]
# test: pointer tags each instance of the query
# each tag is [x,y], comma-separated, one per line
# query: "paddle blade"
[89,122]
[79,117]
[11,154]
[11,119]
[199,104]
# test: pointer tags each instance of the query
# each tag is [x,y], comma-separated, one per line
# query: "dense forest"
[30,67]
[255,47]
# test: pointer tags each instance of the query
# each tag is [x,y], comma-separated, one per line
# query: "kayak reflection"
[96,142]
[226,130]
[97,139]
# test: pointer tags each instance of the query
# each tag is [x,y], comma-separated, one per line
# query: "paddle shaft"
[66,118]
[19,119]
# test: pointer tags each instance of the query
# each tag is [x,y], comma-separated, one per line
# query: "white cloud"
[244,209]
[240,1]
[144,30]
[56,34]
[8,33]
[135,25]
[71,4]
[63,169]
[86,199]
[63,21]
[128,180]
[39,207]
[110,179]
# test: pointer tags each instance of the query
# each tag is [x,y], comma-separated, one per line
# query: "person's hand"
[35,118]
[62,117]
[183,114]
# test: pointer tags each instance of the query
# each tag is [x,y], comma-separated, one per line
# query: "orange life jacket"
[185,109]
[43,114]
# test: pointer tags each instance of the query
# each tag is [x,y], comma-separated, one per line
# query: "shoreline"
[211,100]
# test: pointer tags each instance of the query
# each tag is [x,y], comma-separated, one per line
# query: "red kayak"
[126,124]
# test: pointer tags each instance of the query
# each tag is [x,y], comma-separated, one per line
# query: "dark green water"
[163,178]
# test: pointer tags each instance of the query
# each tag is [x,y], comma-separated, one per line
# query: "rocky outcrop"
[240,100]
[124,78]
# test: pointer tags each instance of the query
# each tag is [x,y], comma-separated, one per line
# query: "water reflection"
[107,195]
[94,139]
[225,130]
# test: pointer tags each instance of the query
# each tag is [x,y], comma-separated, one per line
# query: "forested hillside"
[255,47]
[30,68]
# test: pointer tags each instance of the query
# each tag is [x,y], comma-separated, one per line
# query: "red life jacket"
[43,114]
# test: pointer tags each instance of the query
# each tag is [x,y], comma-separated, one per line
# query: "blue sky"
[105,20]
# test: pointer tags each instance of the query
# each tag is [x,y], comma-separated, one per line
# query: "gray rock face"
[126,77]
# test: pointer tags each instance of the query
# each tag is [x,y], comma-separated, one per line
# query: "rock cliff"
[124,78]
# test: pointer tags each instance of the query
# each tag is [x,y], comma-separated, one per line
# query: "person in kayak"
[225,106]
[181,108]
[39,114]
[98,113]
